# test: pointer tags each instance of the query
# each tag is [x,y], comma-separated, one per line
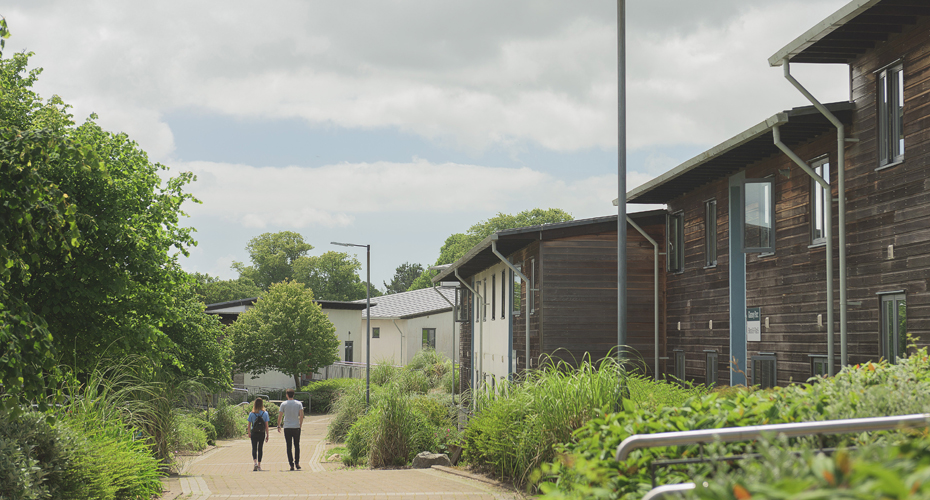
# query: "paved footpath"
[226,472]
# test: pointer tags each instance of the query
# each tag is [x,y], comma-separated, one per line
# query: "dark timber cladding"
[575,296]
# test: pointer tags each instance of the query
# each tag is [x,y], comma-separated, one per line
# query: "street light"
[367,316]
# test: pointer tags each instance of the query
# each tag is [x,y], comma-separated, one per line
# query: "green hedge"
[587,468]
[323,394]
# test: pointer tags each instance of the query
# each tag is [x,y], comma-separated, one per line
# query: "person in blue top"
[258,431]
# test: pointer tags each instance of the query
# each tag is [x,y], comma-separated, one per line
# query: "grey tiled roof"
[410,304]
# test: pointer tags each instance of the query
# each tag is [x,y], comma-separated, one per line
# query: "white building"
[404,323]
[343,315]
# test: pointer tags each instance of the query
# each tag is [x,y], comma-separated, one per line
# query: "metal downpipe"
[453,337]
[403,343]
[528,292]
[480,328]
[841,202]
[655,250]
[828,215]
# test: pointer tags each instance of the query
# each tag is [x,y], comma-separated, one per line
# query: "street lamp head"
[347,244]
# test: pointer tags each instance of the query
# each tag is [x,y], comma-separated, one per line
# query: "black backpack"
[258,427]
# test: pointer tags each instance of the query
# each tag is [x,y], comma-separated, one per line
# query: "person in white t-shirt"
[291,418]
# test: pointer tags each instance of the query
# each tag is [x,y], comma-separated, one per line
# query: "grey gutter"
[655,250]
[732,143]
[835,21]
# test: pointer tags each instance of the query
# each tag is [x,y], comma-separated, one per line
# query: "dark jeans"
[292,435]
[258,442]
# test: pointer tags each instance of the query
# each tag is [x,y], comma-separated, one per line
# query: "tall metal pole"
[621,179]
[368,326]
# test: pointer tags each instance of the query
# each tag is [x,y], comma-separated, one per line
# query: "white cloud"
[476,74]
[334,195]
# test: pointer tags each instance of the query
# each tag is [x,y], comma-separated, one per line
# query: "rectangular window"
[429,338]
[484,300]
[461,304]
[819,200]
[493,298]
[676,239]
[891,115]
[764,371]
[758,216]
[680,367]
[348,351]
[531,292]
[710,233]
[517,285]
[894,327]
[819,365]
[376,332]
[503,293]
[710,371]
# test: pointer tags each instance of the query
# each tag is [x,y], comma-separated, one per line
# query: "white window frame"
[675,242]
[710,233]
[821,166]
[889,102]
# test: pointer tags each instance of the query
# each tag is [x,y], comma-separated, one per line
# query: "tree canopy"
[404,276]
[458,244]
[283,256]
[213,290]
[285,331]
[90,243]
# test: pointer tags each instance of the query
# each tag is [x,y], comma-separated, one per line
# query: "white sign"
[753,324]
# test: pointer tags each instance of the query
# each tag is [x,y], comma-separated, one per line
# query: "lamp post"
[367,316]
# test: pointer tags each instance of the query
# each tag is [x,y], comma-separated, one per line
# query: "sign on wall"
[753,324]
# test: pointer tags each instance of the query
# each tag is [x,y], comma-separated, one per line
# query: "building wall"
[346,323]
[492,334]
[890,206]
[525,259]
[401,339]
[579,297]
[885,207]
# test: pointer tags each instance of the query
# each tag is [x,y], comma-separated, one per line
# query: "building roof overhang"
[797,126]
[508,241]
[851,31]
[241,305]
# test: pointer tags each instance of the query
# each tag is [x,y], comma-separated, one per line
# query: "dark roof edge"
[485,243]
[734,142]
[835,21]
[327,304]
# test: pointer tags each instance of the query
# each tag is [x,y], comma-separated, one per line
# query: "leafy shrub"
[431,363]
[898,471]
[450,382]
[414,381]
[20,474]
[518,425]
[190,435]
[384,373]
[35,457]
[208,430]
[587,468]
[399,431]
[349,407]
[227,420]
[359,436]
[323,394]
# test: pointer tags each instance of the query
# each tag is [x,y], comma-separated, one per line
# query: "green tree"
[332,276]
[458,244]
[404,276]
[285,331]
[212,290]
[273,256]
[101,274]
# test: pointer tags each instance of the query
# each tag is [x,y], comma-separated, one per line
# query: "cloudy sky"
[399,122]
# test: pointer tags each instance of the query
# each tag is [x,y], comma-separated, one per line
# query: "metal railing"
[733,434]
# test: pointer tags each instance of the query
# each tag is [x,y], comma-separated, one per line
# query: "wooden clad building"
[571,299]
[747,292]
